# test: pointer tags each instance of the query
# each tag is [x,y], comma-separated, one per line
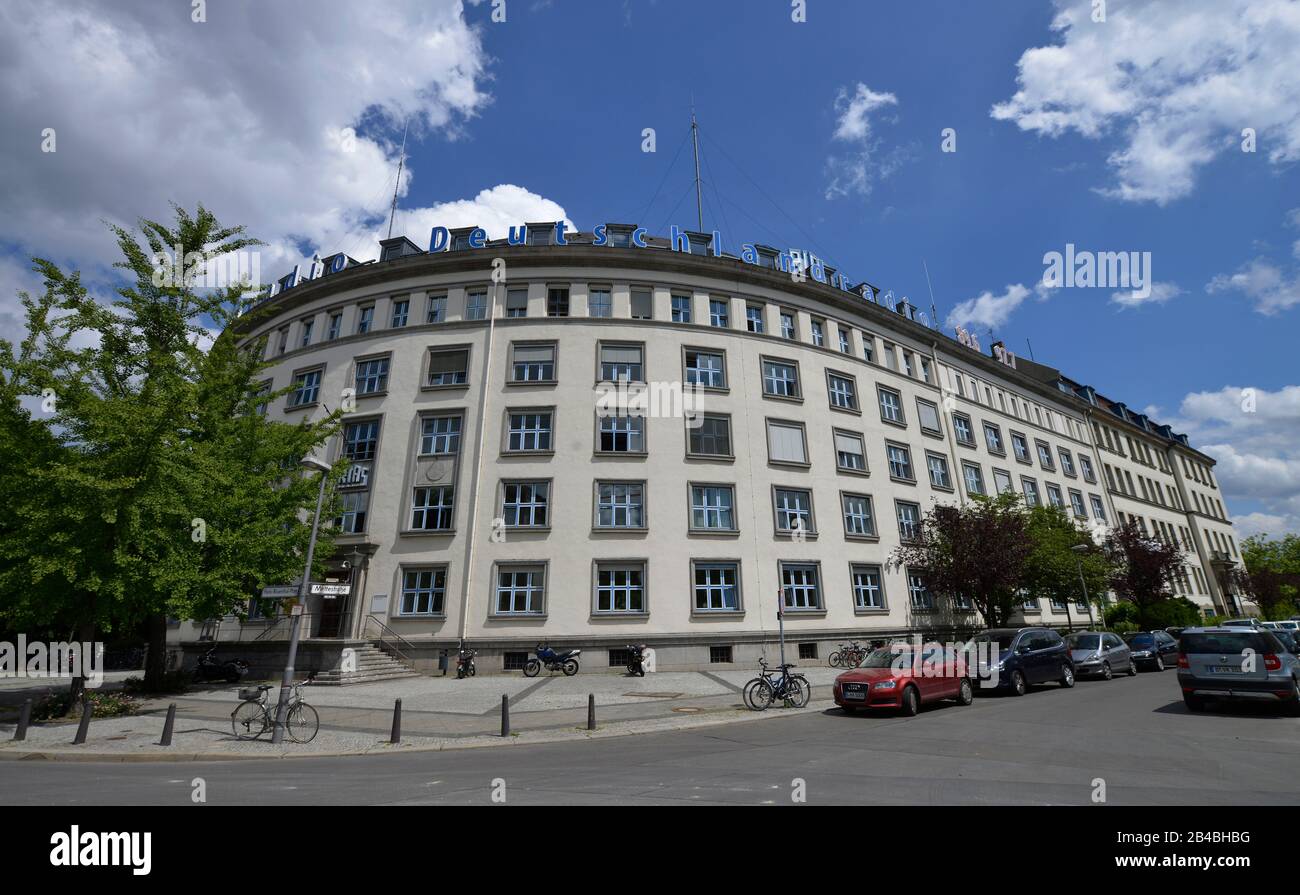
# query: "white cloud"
[1248,524]
[1158,294]
[248,113]
[1178,80]
[988,310]
[858,170]
[1263,282]
[1254,434]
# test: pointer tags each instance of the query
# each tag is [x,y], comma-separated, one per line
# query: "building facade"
[595,445]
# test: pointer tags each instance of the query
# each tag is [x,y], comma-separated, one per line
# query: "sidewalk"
[437,713]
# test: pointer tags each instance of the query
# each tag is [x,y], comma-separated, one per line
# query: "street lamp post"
[1079,551]
[295,623]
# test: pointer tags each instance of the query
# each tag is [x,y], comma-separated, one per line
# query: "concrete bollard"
[396,736]
[505,715]
[24,718]
[168,726]
[84,725]
[591,711]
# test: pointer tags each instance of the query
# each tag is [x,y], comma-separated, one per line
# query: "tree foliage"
[1052,570]
[1143,569]
[1271,577]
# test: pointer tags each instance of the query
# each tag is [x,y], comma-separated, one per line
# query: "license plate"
[1223,669]
[855,692]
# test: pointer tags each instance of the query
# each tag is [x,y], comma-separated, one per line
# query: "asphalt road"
[1049,747]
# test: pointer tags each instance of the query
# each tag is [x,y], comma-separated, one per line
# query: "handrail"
[384,629]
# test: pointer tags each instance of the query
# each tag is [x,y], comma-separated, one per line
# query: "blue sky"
[1114,135]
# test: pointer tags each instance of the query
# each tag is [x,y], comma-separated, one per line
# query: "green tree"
[151,485]
[1142,569]
[977,551]
[1272,573]
[1052,569]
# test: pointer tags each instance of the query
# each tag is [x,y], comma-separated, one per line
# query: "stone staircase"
[373,664]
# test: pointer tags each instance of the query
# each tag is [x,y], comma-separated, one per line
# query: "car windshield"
[881,658]
[1084,641]
[1004,640]
[1226,642]
[1140,640]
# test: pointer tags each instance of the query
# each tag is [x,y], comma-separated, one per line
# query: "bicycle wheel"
[794,694]
[748,692]
[762,695]
[834,659]
[303,723]
[806,696]
[249,720]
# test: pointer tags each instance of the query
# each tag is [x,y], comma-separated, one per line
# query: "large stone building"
[794,428]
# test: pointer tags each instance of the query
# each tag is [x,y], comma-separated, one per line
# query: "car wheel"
[1067,676]
[1018,683]
[911,702]
[965,693]
[1106,673]
[1293,704]
[1194,703]
[1160,663]
[1132,668]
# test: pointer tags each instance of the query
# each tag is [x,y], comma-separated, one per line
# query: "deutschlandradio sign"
[801,265]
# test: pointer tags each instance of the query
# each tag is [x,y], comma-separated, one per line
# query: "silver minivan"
[1100,653]
[1237,664]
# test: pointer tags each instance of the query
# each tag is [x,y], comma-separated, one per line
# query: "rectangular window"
[1020,447]
[557,301]
[437,310]
[529,431]
[526,504]
[366,319]
[928,415]
[1098,508]
[706,368]
[599,303]
[845,348]
[306,388]
[620,587]
[1054,497]
[448,367]
[361,440]
[431,508]
[710,437]
[1067,462]
[517,303]
[780,380]
[642,304]
[439,435]
[717,312]
[974,478]
[818,332]
[717,587]
[868,593]
[620,505]
[621,363]
[891,406]
[786,443]
[401,310]
[918,593]
[843,391]
[1030,488]
[1044,455]
[900,462]
[793,510]
[1076,503]
[713,507]
[859,516]
[961,427]
[890,355]
[372,376]
[352,512]
[938,467]
[993,439]
[335,327]
[1085,466]
[532,363]
[800,586]
[476,306]
[909,520]
[621,433]
[681,308]
[868,348]
[850,454]
[787,325]
[754,318]
[423,591]
[307,326]
[520,590]
[1002,481]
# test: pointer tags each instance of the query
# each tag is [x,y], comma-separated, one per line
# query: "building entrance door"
[331,612]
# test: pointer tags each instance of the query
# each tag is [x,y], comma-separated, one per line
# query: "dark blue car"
[1024,657]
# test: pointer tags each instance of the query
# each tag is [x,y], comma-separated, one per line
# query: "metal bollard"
[168,726]
[24,718]
[591,711]
[84,726]
[505,715]
[396,736]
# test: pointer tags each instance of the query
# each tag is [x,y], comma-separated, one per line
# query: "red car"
[898,678]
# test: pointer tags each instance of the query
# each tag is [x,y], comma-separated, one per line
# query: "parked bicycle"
[850,656]
[792,689]
[254,716]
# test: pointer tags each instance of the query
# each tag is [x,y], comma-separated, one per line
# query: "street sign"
[280,591]
[331,590]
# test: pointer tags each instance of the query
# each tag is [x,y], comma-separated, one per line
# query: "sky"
[969,138]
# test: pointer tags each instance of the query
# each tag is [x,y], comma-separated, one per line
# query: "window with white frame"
[360,440]
[599,303]
[1067,462]
[432,508]
[1044,455]
[520,589]
[439,435]
[800,586]
[1076,504]
[1002,481]
[352,512]
[448,367]
[621,433]
[681,308]
[706,368]
[786,443]
[859,515]
[818,332]
[530,430]
[780,379]
[517,303]
[526,504]
[843,391]
[713,507]
[1030,488]
[642,304]
[900,462]
[718,312]
[476,306]
[868,589]
[1098,508]
[927,413]
[918,593]
[845,347]
[335,328]
[531,362]
[754,318]
[717,587]
[437,309]
[788,330]
[620,587]
[1020,447]
[793,510]
[307,326]
[1054,497]
[372,375]
[621,362]
[961,428]
[974,478]
[306,388]
[710,435]
[1085,467]
[993,439]
[424,591]
[850,454]
[909,520]
[938,468]
[620,505]
[401,311]
[891,406]
[366,319]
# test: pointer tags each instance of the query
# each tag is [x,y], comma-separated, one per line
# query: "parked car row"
[1239,663]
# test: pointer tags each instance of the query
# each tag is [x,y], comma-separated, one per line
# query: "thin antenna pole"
[695,139]
[934,312]
[392,212]
[1031,348]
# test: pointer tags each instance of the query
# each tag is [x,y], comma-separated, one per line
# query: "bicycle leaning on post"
[792,689]
[254,717]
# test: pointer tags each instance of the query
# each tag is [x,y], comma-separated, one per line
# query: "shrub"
[1124,627]
[1178,612]
[1122,612]
[52,705]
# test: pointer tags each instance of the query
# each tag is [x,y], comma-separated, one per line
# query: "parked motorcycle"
[465,663]
[566,661]
[209,669]
[636,659]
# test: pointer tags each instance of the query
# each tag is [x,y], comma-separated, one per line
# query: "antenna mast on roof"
[396,186]
[934,312]
[695,139]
